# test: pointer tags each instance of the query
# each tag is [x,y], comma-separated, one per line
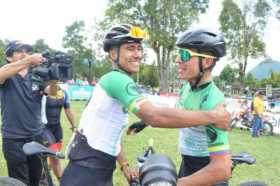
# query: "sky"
[37,19]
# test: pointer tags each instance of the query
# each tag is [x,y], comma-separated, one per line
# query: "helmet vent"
[211,34]
[197,42]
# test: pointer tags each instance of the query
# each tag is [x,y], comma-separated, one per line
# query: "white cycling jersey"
[105,116]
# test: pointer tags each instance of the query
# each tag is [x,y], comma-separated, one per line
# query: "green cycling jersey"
[202,141]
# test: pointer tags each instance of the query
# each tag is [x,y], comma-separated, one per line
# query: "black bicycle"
[35,148]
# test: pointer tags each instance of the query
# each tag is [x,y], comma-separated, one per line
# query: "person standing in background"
[53,133]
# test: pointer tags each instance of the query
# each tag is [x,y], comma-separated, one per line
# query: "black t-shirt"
[20,108]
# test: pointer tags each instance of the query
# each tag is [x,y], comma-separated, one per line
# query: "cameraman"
[20,109]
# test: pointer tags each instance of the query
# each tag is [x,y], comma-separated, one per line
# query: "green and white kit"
[106,115]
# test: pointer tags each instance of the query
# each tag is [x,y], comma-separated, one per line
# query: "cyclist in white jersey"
[97,145]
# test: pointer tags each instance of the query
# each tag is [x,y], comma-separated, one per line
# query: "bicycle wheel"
[7,181]
[253,183]
[267,129]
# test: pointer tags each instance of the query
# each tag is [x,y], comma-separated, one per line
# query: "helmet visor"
[135,33]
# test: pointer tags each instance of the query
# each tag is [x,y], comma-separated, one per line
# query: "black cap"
[16,45]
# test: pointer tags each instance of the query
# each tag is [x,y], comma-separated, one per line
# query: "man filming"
[20,109]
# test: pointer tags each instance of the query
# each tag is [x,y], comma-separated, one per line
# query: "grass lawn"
[265,149]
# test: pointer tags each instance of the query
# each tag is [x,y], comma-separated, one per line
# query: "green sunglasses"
[186,54]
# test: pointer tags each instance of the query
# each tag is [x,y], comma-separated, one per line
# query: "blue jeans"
[257,125]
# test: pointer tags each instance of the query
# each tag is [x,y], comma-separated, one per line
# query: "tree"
[101,67]
[250,80]
[243,29]
[163,19]
[276,7]
[148,76]
[229,75]
[75,41]
[41,46]
[2,54]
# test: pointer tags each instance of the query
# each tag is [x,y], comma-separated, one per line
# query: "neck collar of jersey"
[200,87]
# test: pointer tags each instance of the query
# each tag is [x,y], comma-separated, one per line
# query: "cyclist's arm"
[11,69]
[70,116]
[219,169]
[124,89]
[68,111]
[175,118]
[124,166]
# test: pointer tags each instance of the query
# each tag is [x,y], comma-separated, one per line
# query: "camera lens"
[160,184]
[158,170]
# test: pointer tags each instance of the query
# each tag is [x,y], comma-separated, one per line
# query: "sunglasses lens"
[184,55]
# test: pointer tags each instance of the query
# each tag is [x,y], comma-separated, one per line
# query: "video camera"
[155,169]
[57,66]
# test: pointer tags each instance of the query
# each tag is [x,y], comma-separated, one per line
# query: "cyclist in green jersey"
[204,149]
[97,144]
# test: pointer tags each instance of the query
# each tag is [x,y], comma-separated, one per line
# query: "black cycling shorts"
[192,164]
[77,175]
[87,166]
[56,131]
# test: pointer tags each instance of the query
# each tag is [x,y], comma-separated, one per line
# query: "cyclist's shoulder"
[118,84]
[215,91]
[115,76]
[212,96]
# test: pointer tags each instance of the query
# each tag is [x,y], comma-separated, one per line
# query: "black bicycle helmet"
[203,40]
[118,35]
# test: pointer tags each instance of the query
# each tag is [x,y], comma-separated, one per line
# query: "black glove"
[137,127]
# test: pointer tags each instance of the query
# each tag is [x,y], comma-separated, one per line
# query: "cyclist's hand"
[136,127]
[130,173]
[222,117]
[74,129]
[180,182]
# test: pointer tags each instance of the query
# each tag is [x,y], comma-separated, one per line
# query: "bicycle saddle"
[243,157]
[8,181]
[35,148]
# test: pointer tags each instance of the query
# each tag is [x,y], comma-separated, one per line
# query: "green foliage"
[148,76]
[2,54]
[75,41]
[101,67]
[229,75]
[243,29]
[250,80]
[40,46]
[274,80]
[163,19]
